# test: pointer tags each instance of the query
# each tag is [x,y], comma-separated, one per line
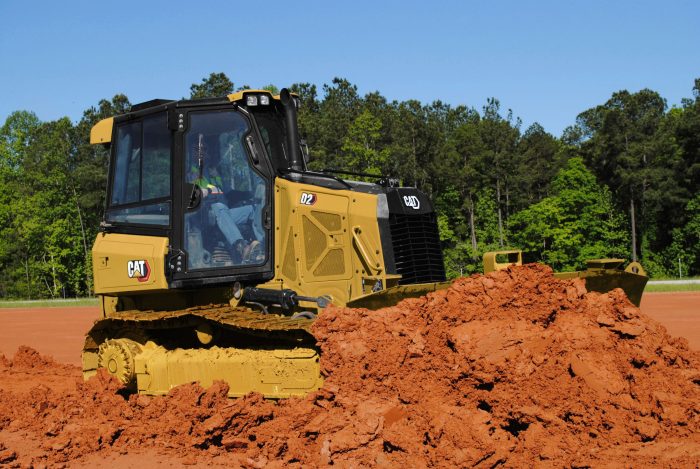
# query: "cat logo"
[411,201]
[307,199]
[140,270]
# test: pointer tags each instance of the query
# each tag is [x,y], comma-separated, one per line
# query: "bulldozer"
[219,247]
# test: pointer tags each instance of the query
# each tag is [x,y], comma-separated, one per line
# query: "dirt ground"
[679,312]
[515,368]
[59,332]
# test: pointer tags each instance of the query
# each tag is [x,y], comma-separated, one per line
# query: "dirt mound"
[29,368]
[515,368]
[26,357]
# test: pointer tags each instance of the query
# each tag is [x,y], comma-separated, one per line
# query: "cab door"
[225,201]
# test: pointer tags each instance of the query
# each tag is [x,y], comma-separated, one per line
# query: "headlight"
[264,99]
[251,100]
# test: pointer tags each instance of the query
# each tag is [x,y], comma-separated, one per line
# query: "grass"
[665,277]
[672,288]
[48,303]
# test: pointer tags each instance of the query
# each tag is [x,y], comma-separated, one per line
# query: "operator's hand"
[211,189]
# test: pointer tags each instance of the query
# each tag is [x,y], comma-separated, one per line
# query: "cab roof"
[102,131]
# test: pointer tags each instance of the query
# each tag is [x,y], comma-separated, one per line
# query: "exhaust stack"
[290,116]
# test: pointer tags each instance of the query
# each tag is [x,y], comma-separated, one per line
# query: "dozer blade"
[393,295]
[601,275]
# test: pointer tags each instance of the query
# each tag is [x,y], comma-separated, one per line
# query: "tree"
[465,171]
[539,157]
[682,255]
[462,257]
[691,235]
[217,84]
[577,222]
[16,136]
[337,111]
[48,225]
[45,256]
[272,89]
[631,151]
[500,136]
[307,117]
[687,133]
[408,128]
[360,146]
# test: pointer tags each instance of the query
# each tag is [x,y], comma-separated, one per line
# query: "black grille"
[416,244]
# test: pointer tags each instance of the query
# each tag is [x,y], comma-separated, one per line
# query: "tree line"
[621,181]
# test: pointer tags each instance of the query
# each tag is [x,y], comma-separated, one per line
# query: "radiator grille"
[417,252]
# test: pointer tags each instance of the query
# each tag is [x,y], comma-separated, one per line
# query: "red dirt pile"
[515,368]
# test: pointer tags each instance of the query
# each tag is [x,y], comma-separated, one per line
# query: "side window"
[273,135]
[127,168]
[141,177]
[155,182]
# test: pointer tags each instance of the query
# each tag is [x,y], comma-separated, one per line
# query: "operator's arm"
[237,198]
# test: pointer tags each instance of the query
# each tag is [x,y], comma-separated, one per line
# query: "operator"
[229,219]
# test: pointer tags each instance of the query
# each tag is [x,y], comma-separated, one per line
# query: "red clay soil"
[514,368]
[678,311]
[59,332]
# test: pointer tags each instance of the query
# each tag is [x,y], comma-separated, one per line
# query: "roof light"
[251,100]
[264,99]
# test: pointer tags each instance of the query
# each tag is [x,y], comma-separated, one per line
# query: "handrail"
[370,260]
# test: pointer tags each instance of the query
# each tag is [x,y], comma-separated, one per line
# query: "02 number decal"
[307,198]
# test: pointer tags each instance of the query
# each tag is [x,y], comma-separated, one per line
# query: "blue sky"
[545,60]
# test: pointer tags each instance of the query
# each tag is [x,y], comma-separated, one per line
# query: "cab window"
[272,131]
[141,176]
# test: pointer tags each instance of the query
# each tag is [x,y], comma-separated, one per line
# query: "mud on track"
[514,368]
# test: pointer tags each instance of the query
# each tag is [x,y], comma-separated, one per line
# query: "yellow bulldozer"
[219,247]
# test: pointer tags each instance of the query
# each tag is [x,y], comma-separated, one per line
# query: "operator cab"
[200,172]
